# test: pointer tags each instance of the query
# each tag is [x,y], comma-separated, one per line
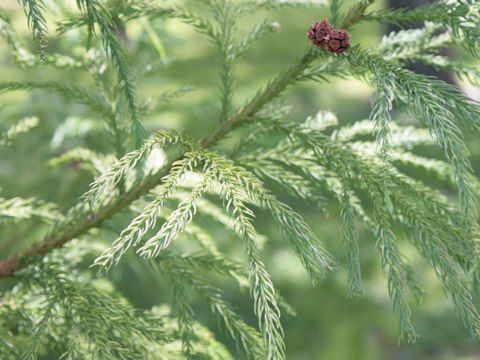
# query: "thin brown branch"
[253,106]
[73,230]
[92,220]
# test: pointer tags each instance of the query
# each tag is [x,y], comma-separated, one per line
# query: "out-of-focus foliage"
[275,197]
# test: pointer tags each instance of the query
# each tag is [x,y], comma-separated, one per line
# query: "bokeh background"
[327,326]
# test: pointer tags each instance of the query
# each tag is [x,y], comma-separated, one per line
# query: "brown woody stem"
[93,220]
[73,230]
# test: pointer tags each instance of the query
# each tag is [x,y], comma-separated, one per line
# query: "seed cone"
[319,32]
[338,41]
[325,36]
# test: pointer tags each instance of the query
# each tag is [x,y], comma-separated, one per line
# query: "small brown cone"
[338,41]
[319,32]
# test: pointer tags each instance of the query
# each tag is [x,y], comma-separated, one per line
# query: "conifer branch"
[22,55]
[6,348]
[89,160]
[181,303]
[133,234]
[178,269]
[294,184]
[18,209]
[441,169]
[177,221]
[404,44]
[403,137]
[8,33]
[92,99]
[445,246]
[15,130]
[125,10]
[393,265]
[392,261]
[459,16]
[348,216]
[442,63]
[382,100]
[307,163]
[252,5]
[34,11]
[436,104]
[129,161]
[226,29]
[82,301]
[335,11]
[97,14]
[85,220]
[429,241]
[261,286]
[275,86]
[90,220]
[314,258]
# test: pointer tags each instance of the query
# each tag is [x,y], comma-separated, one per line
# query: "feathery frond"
[436,104]
[347,213]
[382,100]
[18,209]
[15,130]
[261,285]
[89,160]
[315,259]
[36,21]
[172,196]
[393,267]
[399,187]
[129,161]
[133,234]
[176,221]
[179,267]
[98,14]
[84,96]
[459,16]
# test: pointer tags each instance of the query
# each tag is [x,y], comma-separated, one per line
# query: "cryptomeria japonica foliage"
[164,180]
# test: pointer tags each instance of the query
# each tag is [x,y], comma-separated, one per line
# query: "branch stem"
[89,220]
[266,95]
[69,231]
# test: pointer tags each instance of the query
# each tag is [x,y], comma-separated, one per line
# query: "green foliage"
[18,209]
[20,127]
[89,317]
[34,11]
[461,17]
[418,95]
[152,193]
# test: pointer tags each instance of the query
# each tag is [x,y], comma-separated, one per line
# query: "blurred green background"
[326,326]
